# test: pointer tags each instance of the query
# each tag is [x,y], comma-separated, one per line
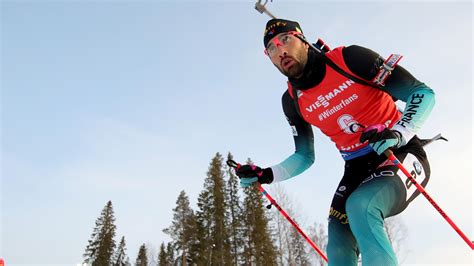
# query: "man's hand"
[381,138]
[249,174]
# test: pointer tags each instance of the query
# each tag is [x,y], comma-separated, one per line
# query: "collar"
[313,72]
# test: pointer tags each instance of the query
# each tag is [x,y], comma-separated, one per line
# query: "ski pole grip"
[388,153]
[233,164]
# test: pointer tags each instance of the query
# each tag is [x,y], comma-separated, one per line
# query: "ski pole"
[395,161]
[236,166]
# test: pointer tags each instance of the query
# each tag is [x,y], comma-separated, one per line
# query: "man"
[348,93]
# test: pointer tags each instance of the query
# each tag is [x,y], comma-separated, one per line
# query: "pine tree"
[199,254]
[142,259]
[259,248]
[170,254]
[120,258]
[162,256]
[234,215]
[183,227]
[214,245]
[101,246]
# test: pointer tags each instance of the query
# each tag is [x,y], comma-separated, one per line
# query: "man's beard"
[296,70]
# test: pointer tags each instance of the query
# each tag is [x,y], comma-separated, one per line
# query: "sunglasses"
[283,40]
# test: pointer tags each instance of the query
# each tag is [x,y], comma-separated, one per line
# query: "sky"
[129,101]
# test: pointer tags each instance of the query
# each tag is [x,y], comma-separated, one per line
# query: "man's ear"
[306,45]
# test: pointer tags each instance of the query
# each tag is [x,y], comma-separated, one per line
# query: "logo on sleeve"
[293,129]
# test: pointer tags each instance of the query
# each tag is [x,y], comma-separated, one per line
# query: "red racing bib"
[337,102]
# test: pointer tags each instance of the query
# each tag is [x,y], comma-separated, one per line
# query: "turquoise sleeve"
[419,101]
[294,165]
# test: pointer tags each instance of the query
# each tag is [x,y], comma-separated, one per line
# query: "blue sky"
[129,101]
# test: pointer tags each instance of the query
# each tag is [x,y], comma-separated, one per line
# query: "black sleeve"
[365,63]
[302,130]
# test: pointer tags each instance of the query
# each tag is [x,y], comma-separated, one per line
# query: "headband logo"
[273,26]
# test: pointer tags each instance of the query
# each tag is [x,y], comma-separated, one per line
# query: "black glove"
[249,174]
[381,138]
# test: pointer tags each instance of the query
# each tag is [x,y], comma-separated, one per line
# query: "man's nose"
[282,52]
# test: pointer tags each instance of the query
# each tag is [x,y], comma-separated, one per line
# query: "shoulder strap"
[334,66]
